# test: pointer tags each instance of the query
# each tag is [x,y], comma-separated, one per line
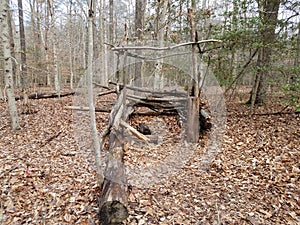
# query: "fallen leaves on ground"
[46,179]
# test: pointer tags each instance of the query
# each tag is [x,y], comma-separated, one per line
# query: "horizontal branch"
[82,108]
[100,85]
[147,90]
[124,48]
[107,92]
[46,95]
[156,92]
[153,99]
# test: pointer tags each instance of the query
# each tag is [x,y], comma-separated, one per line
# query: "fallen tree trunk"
[46,95]
[114,192]
[107,92]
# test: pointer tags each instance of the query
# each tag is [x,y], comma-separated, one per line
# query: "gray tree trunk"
[193,104]
[111,21]
[12,49]
[158,76]
[268,15]
[71,45]
[54,46]
[96,141]
[140,7]
[23,48]
[9,86]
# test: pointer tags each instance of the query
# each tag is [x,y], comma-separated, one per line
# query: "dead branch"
[82,108]
[8,171]
[46,95]
[51,138]
[161,48]
[155,92]
[156,99]
[100,85]
[114,191]
[242,71]
[134,131]
[107,92]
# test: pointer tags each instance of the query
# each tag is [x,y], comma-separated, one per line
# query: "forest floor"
[255,178]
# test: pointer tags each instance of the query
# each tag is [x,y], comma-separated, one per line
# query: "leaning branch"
[242,71]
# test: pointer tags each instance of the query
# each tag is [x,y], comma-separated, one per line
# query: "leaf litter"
[255,179]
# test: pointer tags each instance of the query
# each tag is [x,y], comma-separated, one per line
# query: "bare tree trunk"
[158,76]
[140,6]
[71,45]
[24,80]
[9,86]
[111,21]
[96,141]
[297,58]
[102,49]
[46,44]
[268,14]
[12,49]
[54,42]
[193,104]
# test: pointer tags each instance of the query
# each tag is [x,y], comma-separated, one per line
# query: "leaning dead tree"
[114,191]
[119,133]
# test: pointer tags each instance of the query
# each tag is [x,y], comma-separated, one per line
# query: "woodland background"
[260,39]
[45,48]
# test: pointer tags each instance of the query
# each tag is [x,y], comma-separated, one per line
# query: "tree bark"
[114,191]
[268,15]
[12,50]
[23,48]
[96,141]
[111,21]
[71,45]
[54,46]
[193,103]
[9,86]
[139,27]
[140,7]
[296,71]
[158,76]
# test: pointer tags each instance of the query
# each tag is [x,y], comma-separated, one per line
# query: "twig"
[51,138]
[8,171]
[3,126]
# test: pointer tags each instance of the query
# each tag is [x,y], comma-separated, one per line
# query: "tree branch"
[124,48]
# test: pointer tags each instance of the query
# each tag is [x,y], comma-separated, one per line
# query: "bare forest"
[150,112]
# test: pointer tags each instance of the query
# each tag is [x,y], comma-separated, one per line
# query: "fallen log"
[147,90]
[82,108]
[45,95]
[100,85]
[114,192]
[107,92]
